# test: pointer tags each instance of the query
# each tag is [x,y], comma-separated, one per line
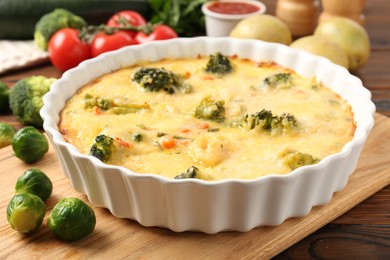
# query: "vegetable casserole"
[211,117]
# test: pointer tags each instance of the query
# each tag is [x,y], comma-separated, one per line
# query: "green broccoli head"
[102,148]
[112,105]
[296,159]
[284,123]
[25,98]
[102,103]
[210,109]
[191,172]
[278,80]
[218,64]
[4,96]
[54,21]
[262,120]
[156,79]
[266,121]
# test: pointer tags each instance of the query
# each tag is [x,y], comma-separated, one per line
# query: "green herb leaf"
[184,16]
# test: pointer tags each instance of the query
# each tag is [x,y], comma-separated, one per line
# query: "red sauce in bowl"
[233,8]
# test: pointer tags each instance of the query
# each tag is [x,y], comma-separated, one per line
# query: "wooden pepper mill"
[301,16]
[352,9]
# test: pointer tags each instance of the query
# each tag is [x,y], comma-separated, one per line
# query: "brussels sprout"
[6,133]
[25,212]
[29,144]
[4,97]
[36,182]
[71,219]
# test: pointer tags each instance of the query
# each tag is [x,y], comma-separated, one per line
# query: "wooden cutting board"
[116,238]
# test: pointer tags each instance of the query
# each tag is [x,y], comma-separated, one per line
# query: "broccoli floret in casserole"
[157,79]
[295,160]
[210,109]
[92,101]
[218,64]
[262,120]
[129,108]
[284,123]
[137,137]
[54,21]
[25,99]
[191,172]
[103,147]
[112,105]
[278,80]
[266,121]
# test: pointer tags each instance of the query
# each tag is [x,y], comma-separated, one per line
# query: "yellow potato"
[350,35]
[323,47]
[263,27]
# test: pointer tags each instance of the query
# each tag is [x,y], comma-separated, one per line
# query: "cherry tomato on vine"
[132,17]
[102,42]
[67,50]
[160,32]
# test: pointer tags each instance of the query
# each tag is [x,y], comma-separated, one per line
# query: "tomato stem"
[87,33]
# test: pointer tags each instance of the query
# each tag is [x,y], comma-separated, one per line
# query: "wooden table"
[364,231]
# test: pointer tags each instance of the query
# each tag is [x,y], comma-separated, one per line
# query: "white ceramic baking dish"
[193,204]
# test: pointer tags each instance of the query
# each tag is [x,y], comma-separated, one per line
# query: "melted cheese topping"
[174,140]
